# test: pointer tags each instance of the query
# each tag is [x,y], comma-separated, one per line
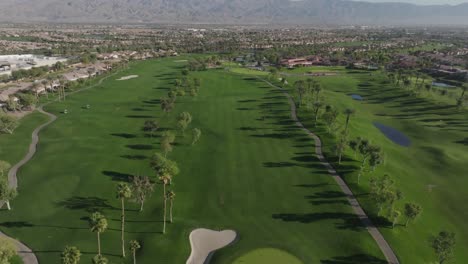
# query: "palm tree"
[348,112]
[340,148]
[165,179]
[171,196]
[71,255]
[6,192]
[134,246]
[98,224]
[98,259]
[123,192]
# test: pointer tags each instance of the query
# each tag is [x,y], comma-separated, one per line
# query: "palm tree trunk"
[141,205]
[99,243]
[170,211]
[123,227]
[164,218]
[347,122]
[164,225]
[134,257]
[8,205]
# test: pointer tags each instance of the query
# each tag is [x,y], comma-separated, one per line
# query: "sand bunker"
[205,242]
[180,60]
[393,134]
[127,77]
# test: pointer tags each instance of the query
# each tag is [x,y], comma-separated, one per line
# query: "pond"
[442,85]
[393,134]
[357,97]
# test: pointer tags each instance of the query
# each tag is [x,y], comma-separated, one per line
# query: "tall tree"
[341,147]
[196,134]
[183,121]
[384,192]
[134,246]
[300,90]
[412,211]
[329,117]
[98,259]
[98,225]
[170,195]
[123,192]
[71,255]
[7,250]
[8,123]
[395,214]
[4,167]
[165,179]
[163,166]
[348,112]
[444,245]
[167,139]
[142,187]
[316,109]
[6,192]
[354,145]
[150,127]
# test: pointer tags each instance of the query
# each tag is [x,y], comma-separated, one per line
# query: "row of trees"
[383,190]
[415,82]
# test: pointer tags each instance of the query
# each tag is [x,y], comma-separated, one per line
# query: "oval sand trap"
[267,255]
[393,134]
[128,77]
[205,242]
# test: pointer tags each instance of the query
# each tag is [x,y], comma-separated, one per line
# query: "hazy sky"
[422,2]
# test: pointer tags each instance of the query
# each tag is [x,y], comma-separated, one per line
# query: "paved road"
[374,232]
[24,251]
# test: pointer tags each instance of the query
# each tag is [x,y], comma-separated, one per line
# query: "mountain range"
[312,12]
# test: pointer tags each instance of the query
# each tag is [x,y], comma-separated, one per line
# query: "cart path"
[26,254]
[371,228]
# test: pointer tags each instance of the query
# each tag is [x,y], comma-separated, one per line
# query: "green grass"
[253,171]
[436,157]
[14,146]
[267,255]
[314,69]
[16,260]
[247,71]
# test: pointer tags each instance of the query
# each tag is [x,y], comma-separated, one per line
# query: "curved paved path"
[24,251]
[374,232]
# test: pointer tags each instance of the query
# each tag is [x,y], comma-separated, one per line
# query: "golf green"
[253,171]
[267,255]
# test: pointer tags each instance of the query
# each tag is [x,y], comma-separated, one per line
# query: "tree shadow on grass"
[278,164]
[354,259]
[89,204]
[347,220]
[134,157]
[124,135]
[140,147]
[16,224]
[117,176]
[140,116]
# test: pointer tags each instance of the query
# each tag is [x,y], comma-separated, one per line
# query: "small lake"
[393,134]
[357,97]
[442,85]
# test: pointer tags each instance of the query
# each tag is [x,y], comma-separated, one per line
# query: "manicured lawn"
[253,171]
[436,159]
[315,69]
[267,255]
[247,71]
[13,147]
